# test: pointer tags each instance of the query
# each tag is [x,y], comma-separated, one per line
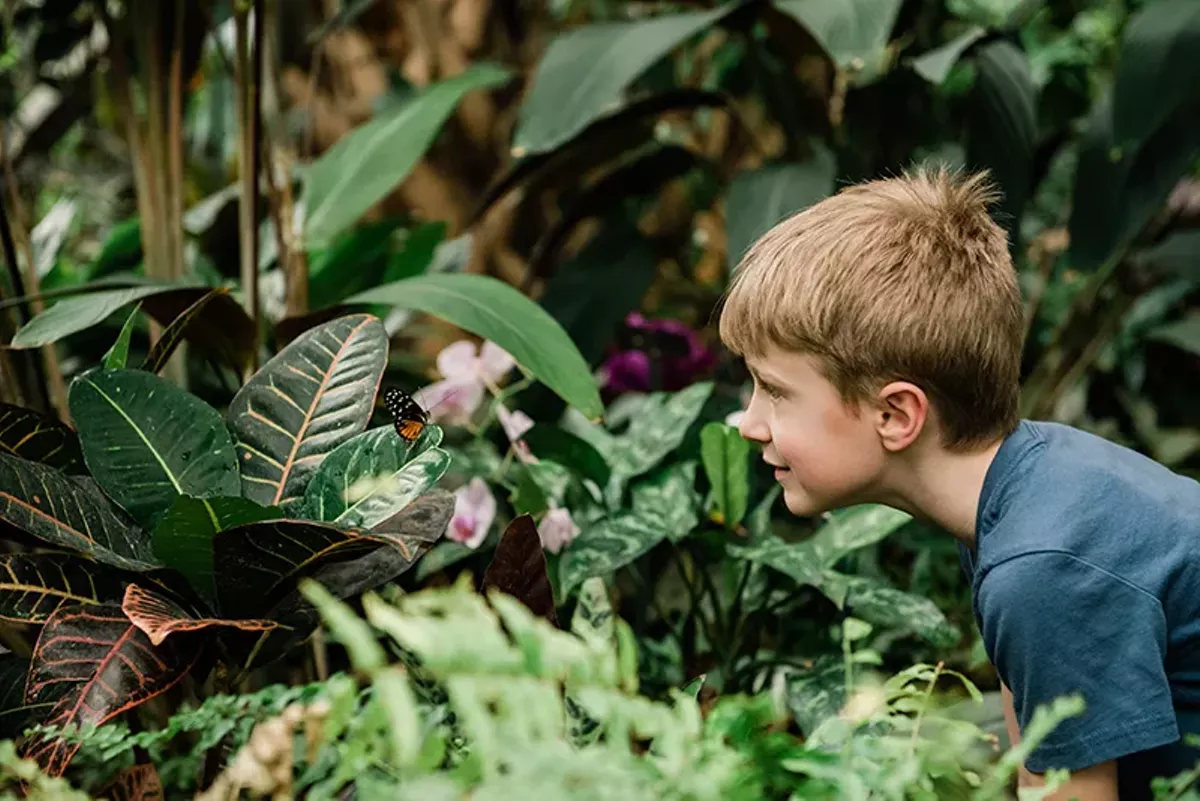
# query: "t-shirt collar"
[999,474]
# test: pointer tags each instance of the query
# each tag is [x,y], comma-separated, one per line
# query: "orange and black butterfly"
[407,415]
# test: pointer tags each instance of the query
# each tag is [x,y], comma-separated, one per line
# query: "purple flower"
[682,357]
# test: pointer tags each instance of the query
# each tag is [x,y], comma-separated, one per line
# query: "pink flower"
[467,371]
[474,511]
[557,529]
[515,424]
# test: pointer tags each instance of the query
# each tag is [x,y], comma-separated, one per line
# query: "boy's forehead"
[775,366]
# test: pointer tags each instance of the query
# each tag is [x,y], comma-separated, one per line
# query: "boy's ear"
[901,412]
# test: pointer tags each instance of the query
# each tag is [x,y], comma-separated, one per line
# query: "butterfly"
[407,415]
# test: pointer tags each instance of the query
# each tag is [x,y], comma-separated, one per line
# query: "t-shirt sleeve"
[1054,625]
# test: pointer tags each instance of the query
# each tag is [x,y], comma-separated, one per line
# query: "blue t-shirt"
[1086,579]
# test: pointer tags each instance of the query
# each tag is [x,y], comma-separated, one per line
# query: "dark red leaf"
[518,568]
[159,617]
[92,664]
[180,327]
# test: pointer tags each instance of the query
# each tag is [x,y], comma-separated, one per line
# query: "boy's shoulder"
[1055,488]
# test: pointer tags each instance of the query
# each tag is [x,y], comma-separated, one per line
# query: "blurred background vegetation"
[605,157]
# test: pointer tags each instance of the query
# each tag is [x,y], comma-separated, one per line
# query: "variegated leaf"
[71,513]
[314,395]
[34,585]
[159,617]
[39,438]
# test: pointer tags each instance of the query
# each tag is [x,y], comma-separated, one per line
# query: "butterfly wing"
[407,415]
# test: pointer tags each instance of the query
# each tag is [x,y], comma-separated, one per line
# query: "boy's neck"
[940,486]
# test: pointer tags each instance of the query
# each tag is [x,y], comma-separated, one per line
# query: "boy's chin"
[802,504]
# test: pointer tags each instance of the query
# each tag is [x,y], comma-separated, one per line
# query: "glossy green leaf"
[74,314]
[373,476]
[70,513]
[257,564]
[585,71]
[1157,69]
[183,538]
[496,311]
[1118,191]
[146,441]
[40,438]
[1002,127]
[658,429]
[854,33]
[669,498]
[934,65]
[366,164]
[760,198]
[311,397]
[118,355]
[35,585]
[726,457]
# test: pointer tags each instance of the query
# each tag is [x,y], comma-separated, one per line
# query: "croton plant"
[159,538]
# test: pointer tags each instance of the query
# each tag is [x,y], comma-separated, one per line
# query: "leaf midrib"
[137,430]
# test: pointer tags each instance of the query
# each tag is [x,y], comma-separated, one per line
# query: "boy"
[883,328]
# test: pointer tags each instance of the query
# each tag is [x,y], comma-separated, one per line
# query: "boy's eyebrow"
[764,380]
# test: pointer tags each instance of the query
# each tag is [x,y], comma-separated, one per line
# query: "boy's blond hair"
[904,278]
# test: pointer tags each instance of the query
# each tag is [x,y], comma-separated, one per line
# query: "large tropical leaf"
[726,456]
[854,33]
[758,199]
[159,617]
[315,394]
[223,327]
[1118,191]
[935,65]
[69,513]
[183,538]
[39,438]
[367,163]
[518,568]
[658,429]
[92,664]
[1157,70]
[1002,127]
[33,586]
[258,563]
[146,441]
[496,311]
[585,72]
[373,476]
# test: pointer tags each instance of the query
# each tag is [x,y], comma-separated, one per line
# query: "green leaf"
[373,476]
[608,545]
[1118,191]
[658,430]
[495,311]
[594,622]
[758,199]
[1157,70]
[553,443]
[1183,334]
[70,513]
[311,397]
[183,538]
[35,585]
[668,497]
[366,164]
[807,562]
[726,457]
[815,694]
[853,33]
[72,315]
[39,438]
[584,73]
[934,65]
[118,354]
[881,605]
[1002,127]
[146,441]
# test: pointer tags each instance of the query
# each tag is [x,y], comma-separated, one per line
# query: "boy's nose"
[753,425]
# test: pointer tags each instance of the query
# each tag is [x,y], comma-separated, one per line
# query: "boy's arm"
[1094,783]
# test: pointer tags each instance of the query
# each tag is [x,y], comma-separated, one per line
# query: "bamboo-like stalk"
[34,390]
[248,75]
[18,229]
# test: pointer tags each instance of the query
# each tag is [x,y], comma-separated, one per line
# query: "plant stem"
[35,391]
[937,671]
[249,111]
